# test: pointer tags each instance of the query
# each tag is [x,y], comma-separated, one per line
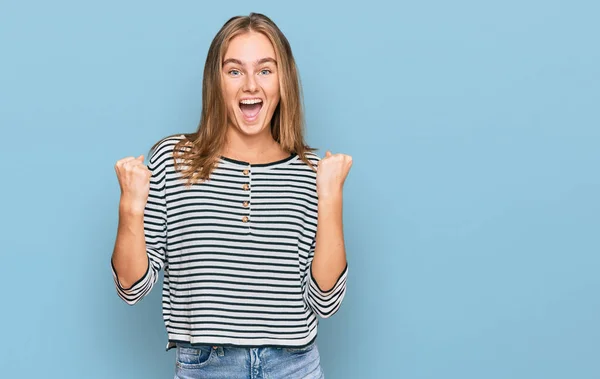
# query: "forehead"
[250,47]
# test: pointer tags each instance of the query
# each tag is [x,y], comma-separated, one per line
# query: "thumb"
[327,154]
[140,158]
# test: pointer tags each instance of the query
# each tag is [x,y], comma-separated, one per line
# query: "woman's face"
[250,83]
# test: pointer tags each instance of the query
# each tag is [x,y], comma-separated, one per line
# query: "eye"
[265,71]
[234,72]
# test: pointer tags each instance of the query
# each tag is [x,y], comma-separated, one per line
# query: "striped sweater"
[236,251]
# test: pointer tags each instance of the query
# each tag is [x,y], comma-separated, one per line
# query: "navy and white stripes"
[236,252]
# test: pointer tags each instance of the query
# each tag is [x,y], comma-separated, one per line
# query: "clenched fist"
[331,174]
[134,180]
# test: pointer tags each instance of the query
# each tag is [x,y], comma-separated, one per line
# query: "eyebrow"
[258,62]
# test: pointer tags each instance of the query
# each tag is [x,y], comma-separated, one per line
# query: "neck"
[255,149]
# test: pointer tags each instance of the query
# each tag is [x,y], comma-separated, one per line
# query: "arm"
[139,252]
[330,254]
[129,257]
[329,269]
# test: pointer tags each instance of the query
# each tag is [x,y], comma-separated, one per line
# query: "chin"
[254,128]
[251,130]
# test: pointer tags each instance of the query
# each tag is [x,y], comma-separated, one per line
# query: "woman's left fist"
[331,174]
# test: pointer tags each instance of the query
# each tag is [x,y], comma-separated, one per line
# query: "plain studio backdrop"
[471,212]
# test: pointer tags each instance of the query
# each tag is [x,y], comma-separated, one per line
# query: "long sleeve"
[155,217]
[324,303]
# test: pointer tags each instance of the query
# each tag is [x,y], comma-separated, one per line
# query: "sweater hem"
[175,339]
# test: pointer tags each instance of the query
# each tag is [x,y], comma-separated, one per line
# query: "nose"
[250,84]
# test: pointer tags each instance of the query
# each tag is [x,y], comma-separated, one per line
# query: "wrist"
[131,207]
[330,196]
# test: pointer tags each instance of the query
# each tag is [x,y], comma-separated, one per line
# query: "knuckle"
[124,160]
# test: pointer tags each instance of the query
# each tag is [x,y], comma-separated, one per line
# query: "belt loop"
[220,351]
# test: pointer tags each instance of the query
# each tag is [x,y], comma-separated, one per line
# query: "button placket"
[246,203]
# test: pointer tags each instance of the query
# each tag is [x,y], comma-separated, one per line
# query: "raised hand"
[331,174]
[134,180]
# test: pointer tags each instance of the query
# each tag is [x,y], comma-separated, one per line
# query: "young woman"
[244,219]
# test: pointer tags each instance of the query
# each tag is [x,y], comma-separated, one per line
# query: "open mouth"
[250,108]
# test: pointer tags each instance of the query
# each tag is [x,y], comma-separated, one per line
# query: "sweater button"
[246,186]
[245,219]
[246,203]
[246,172]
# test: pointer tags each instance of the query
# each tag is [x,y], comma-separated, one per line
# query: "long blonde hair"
[197,154]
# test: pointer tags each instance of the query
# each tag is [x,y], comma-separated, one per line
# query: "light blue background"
[471,211]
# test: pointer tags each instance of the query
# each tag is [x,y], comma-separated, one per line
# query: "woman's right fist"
[134,180]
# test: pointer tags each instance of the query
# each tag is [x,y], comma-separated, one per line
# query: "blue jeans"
[215,362]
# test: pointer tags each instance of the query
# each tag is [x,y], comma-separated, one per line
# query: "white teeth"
[251,101]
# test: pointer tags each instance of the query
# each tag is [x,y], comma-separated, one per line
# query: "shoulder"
[312,157]
[163,149]
[304,162]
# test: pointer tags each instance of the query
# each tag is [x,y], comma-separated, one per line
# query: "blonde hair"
[197,154]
